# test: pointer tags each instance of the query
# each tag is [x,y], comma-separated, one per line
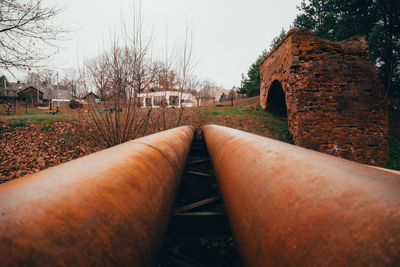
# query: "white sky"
[228,35]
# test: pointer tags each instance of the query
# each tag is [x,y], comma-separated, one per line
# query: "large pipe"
[292,206]
[108,208]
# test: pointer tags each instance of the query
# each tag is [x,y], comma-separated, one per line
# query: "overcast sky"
[228,35]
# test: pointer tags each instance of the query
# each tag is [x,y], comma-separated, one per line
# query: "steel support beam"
[108,208]
[291,206]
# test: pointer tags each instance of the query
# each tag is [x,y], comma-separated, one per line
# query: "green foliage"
[35,115]
[278,38]
[73,104]
[394,143]
[394,140]
[269,124]
[378,20]
[3,81]
[250,84]
[222,98]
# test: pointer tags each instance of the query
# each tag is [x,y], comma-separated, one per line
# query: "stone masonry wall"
[333,96]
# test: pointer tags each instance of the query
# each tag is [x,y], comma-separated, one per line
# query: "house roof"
[21,91]
[157,89]
[49,91]
[90,94]
[55,92]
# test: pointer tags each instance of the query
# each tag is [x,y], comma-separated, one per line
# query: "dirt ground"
[34,141]
[28,147]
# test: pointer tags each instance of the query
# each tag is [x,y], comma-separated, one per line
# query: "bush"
[222,98]
[74,104]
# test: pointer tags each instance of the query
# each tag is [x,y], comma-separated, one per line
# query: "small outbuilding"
[90,98]
[31,93]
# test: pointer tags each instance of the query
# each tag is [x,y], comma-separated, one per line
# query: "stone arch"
[276,100]
[332,95]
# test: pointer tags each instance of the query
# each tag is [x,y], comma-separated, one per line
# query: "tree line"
[28,29]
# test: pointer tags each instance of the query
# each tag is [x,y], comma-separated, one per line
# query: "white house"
[170,98]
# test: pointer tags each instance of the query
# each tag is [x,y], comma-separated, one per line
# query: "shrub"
[73,104]
[222,98]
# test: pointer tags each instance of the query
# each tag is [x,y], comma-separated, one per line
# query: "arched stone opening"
[324,109]
[276,101]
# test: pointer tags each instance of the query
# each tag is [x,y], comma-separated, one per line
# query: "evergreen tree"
[222,98]
[277,39]
[3,81]
[378,20]
[250,84]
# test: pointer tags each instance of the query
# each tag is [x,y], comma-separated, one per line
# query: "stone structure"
[331,94]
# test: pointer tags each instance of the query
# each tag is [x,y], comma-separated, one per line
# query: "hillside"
[245,114]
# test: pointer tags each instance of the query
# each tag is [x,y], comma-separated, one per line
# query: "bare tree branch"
[26,28]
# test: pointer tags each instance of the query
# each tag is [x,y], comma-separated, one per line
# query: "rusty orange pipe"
[108,208]
[292,206]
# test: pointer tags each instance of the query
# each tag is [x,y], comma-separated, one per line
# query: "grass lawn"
[245,115]
[35,115]
[249,118]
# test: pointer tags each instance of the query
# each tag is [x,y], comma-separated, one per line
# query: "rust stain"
[292,206]
[108,208]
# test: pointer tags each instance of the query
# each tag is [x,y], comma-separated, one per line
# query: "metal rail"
[292,206]
[108,208]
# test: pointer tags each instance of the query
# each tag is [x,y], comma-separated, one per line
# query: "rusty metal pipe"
[292,206]
[108,208]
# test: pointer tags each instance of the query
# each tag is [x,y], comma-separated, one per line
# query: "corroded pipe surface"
[108,208]
[292,206]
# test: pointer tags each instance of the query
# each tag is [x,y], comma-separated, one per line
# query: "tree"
[45,76]
[98,71]
[378,20]
[250,84]
[71,80]
[232,95]
[33,78]
[222,98]
[3,81]
[207,89]
[25,28]
[278,38]
[165,78]
[48,76]
[126,70]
